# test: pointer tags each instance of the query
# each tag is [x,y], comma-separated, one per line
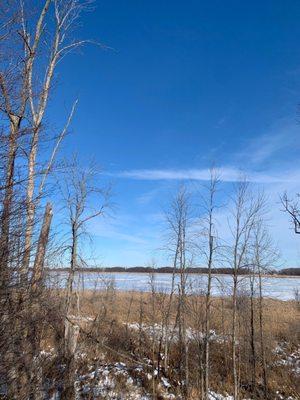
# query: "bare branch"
[58,142]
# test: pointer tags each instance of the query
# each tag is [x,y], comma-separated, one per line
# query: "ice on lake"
[282,288]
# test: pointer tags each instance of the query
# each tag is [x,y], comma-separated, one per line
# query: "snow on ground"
[158,331]
[288,359]
[216,396]
[104,383]
[118,382]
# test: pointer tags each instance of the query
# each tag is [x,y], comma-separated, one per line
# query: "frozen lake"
[277,288]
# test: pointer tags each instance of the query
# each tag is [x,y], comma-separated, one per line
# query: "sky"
[176,87]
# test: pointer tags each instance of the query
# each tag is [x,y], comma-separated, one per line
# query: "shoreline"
[99,271]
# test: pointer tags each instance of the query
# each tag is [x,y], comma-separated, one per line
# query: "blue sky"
[182,85]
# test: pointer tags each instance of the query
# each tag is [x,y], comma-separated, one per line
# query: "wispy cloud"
[267,160]
[281,138]
[227,174]
[111,228]
[148,196]
[133,239]
[174,174]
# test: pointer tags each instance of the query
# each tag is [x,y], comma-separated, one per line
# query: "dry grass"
[281,318]
[105,317]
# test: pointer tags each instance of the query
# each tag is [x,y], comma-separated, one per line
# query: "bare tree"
[209,249]
[32,42]
[264,256]
[245,212]
[292,209]
[80,191]
[65,15]
[153,315]
[179,223]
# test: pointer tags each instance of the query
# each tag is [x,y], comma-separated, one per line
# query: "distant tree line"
[191,270]
[289,271]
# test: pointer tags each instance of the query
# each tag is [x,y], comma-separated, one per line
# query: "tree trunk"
[234,338]
[41,248]
[262,339]
[8,198]
[207,314]
[30,206]
[71,338]
[71,330]
[252,338]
